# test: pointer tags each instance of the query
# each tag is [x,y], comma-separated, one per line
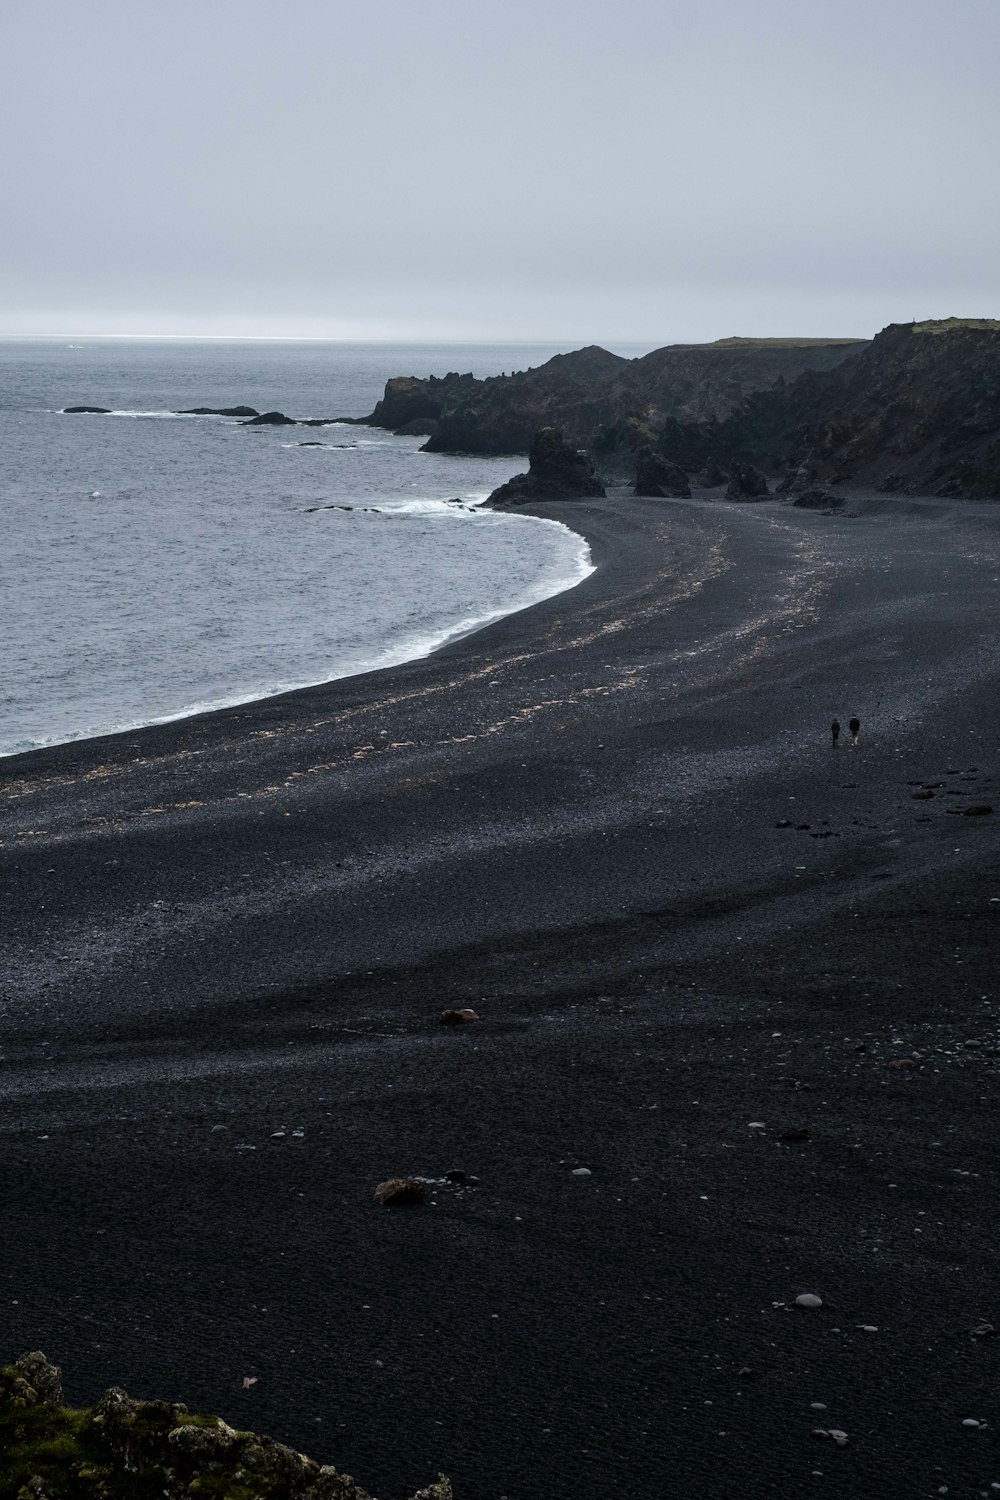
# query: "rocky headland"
[125,1448]
[915,410]
[591,389]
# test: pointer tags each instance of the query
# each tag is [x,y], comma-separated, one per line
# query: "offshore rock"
[219,411]
[556,472]
[271,419]
[746,483]
[99,411]
[121,1448]
[658,476]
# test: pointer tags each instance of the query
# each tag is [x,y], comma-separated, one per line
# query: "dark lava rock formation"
[418,427]
[916,412]
[101,411]
[408,399]
[591,389]
[746,483]
[272,419]
[123,1449]
[219,411]
[555,472]
[656,475]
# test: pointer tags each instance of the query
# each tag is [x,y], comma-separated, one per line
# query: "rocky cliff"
[121,1449]
[917,411]
[591,389]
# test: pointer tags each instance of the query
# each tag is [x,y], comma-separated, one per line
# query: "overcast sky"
[655,170]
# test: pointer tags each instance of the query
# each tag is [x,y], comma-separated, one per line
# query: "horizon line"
[291,338]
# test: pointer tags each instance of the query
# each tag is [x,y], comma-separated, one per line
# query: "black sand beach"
[613,824]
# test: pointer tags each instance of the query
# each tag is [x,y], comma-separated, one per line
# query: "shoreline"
[389,659]
[614,825]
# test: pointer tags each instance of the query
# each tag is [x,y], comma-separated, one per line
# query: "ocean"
[153,566]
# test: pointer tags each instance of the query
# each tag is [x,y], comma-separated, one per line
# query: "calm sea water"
[152,566]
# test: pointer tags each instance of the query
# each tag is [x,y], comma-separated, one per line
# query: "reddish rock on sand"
[399,1190]
[457,1017]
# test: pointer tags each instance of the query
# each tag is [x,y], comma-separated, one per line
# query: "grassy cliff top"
[947,325]
[741,343]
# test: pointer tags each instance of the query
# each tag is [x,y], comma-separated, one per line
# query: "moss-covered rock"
[122,1449]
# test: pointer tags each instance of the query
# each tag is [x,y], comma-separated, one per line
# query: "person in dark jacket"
[855,727]
[835,731]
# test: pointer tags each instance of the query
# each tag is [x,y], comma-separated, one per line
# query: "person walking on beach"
[855,727]
[835,731]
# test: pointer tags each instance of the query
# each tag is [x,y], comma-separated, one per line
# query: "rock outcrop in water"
[97,411]
[272,419]
[122,1449]
[219,411]
[556,472]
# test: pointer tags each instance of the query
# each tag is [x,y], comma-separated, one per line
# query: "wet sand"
[225,943]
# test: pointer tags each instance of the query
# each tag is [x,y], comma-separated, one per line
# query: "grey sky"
[655,170]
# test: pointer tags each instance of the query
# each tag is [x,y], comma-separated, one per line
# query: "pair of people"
[854,726]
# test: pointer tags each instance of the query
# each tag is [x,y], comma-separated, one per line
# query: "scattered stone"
[581,1172]
[746,1373]
[971,1422]
[817,1406]
[924,796]
[783,823]
[399,1190]
[457,1017]
[456,1175]
[867,1327]
[977,810]
[839,1437]
[818,499]
[983,1331]
[900,1062]
[795,1133]
[808,1299]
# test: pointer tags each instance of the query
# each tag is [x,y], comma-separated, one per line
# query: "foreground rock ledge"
[127,1448]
